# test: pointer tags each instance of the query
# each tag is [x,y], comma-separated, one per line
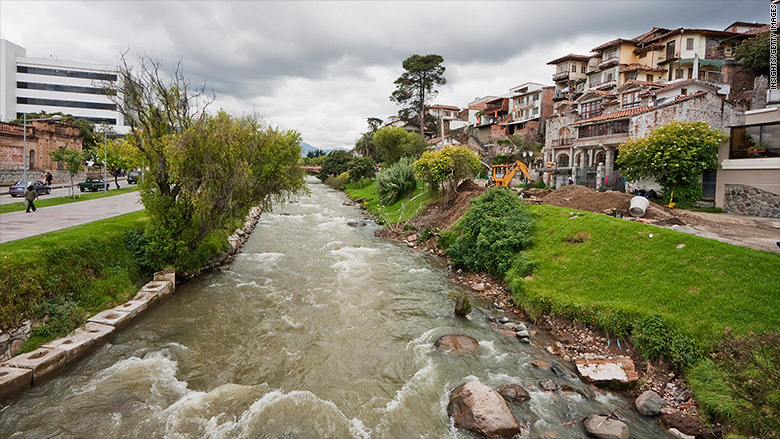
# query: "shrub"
[463,304]
[336,163]
[654,337]
[395,182]
[360,168]
[539,184]
[446,168]
[492,231]
[339,181]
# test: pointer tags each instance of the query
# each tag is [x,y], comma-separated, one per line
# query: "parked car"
[93,184]
[133,177]
[18,189]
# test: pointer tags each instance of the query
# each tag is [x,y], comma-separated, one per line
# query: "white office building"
[32,85]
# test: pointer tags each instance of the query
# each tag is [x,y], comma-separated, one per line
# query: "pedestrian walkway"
[18,225]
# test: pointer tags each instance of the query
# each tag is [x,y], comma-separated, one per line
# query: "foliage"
[316,153]
[463,304]
[338,181]
[401,211]
[393,143]
[90,138]
[336,163]
[365,146]
[395,182]
[360,168]
[73,160]
[444,169]
[491,232]
[59,316]
[754,53]
[122,154]
[205,171]
[675,155]
[428,233]
[654,337]
[314,161]
[539,184]
[416,86]
[741,384]
[82,268]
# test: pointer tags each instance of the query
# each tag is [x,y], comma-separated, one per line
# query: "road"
[57,190]
[18,225]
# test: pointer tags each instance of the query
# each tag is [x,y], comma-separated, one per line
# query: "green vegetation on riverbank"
[62,277]
[48,200]
[400,211]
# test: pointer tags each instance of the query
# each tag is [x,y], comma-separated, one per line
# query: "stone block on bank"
[13,381]
[82,341]
[150,297]
[133,307]
[169,276]
[616,372]
[44,363]
[112,317]
[163,289]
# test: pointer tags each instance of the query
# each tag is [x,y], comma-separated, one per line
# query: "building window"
[601,158]
[590,109]
[536,96]
[535,111]
[688,44]
[60,87]
[643,55]
[31,162]
[755,141]
[603,129]
[630,99]
[630,76]
[66,73]
[678,74]
[649,78]
[69,104]
[583,68]
[574,68]
[563,160]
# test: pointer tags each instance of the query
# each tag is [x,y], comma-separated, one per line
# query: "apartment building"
[33,85]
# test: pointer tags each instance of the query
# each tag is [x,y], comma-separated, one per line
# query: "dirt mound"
[582,198]
[536,193]
[444,215]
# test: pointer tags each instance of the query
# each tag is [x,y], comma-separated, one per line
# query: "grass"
[46,202]
[700,288]
[64,276]
[403,210]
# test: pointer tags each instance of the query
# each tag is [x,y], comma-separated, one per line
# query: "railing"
[564,141]
[560,76]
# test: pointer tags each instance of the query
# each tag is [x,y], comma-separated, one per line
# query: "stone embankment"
[19,373]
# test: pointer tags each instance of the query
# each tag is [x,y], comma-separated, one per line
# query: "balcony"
[493,107]
[562,142]
[605,84]
[561,76]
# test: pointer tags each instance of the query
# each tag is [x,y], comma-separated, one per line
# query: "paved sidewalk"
[18,225]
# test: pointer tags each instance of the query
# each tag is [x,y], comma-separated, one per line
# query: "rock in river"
[649,403]
[514,393]
[457,344]
[479,409]
[356,223]
[602,427]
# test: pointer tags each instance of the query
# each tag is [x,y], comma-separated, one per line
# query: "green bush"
[491,232]
[395,182]
[339,181]
[360,168]
[539,184]
[336,163]
[654,337]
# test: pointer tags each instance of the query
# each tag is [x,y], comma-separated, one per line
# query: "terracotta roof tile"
[638,110]
[571,56]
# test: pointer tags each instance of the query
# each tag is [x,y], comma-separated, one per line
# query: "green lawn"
[403,210]
[701,287]
[49,200]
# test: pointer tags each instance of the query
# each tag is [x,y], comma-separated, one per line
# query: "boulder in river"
[514,393]
[613,372]
[602,427]
[457,344]
[356,223]
[479,409]
[649,403]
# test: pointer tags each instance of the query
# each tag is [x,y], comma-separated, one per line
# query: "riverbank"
[570,292]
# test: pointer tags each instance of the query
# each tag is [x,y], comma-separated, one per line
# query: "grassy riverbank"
[63,276]
[403,210]
[48,200]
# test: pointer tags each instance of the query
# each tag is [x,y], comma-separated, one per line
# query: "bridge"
[311,169]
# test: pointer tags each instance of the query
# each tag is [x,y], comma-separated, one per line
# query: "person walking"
[30,195]
[48,178]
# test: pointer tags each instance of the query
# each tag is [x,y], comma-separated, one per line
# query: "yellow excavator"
[502,174]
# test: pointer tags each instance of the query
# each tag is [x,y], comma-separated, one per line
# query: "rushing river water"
[317,330]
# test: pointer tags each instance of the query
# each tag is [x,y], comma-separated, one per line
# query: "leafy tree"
[392,143]
[205,172]
[360,168]
[444,169]
[395,182]
[416,86]
[675,155]
[336,164]
[316,153]
[365,146]
[122,154]
[73,160]
[754,53]
[491,232]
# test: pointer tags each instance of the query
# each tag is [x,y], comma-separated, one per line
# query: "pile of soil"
[582,198]
[444,215]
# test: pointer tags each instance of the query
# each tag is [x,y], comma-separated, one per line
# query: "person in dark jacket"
[30,195]
[48,178]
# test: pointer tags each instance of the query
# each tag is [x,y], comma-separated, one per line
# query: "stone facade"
[11,340]
[43,137]
[748,200]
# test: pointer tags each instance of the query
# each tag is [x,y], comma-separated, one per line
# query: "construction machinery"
[502,175]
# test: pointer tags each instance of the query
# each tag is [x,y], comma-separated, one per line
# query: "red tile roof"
[642,67]
[570,56]
[758,30]
[609,44]
[637,110]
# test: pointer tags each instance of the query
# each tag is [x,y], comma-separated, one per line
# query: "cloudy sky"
[323,67]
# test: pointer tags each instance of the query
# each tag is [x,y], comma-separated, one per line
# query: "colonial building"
[43,137]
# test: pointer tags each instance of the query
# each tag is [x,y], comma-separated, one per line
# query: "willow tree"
[417,85]
[204,172]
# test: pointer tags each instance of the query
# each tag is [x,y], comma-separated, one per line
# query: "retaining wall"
[747,200]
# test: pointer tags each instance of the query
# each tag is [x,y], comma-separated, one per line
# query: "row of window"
[756,141]
[60,87]
[590,109]
[96,120]
[603,129]
[69,104]
[66,73]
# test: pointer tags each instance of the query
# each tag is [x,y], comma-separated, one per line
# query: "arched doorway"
[601,157]
[563,160]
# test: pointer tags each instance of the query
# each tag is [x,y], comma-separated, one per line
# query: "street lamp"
[24,126]
[105,158]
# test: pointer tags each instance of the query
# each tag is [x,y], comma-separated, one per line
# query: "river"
[316,330]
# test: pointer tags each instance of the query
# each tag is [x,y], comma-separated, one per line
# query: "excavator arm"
[503,174]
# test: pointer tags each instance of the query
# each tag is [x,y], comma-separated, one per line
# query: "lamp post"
[105,158]
[24,128]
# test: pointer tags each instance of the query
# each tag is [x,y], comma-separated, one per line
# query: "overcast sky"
[322,68]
